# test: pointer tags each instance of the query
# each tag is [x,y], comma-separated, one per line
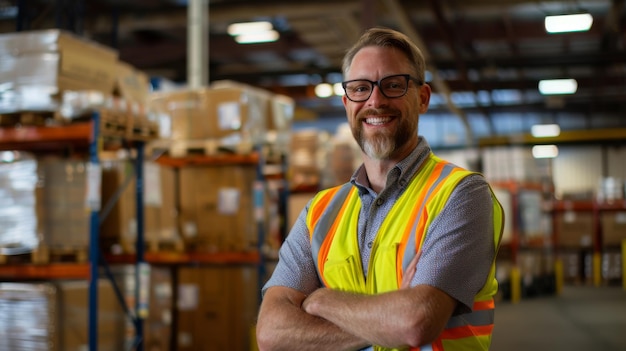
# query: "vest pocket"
[344,274]
[384,270]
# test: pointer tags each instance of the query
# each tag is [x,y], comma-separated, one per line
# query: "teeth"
[377,120]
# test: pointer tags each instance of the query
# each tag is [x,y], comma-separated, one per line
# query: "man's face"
[385,127]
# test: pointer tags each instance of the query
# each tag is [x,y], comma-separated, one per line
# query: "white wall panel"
[616,159]
[577,169]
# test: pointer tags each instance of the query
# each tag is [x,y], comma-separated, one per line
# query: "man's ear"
[424,94]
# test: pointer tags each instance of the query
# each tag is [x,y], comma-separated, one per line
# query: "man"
[401,257]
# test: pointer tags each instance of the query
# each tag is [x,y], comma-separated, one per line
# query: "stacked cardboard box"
[612,266]
[40,65]
[217,307]
[308,158]
[53,316]
[227,114]
[62,207]
[574,229]
[613,227]
[119,228]
[158,326]
[158,320]
[233,118]
[21,226]
[216,212]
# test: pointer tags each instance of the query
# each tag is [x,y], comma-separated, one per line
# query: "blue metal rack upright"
[94,230]
[93,197]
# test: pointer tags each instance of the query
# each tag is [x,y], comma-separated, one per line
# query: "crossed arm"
[335,320]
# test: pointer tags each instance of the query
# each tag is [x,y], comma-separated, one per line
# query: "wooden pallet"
[202,147]
[45,255]
[27,118]
[165,246]
[141,128]
[113,124]
[154,245]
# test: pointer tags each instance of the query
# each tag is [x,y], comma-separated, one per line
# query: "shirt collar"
[401,174]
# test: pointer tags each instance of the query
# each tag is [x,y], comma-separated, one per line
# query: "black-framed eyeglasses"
[359,90]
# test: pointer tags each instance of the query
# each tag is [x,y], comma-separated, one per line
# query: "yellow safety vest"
[332,222]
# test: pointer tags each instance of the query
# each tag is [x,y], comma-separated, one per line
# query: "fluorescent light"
[558,86]
[545,130]
[568,23]
[242,28]
[260,37]
[338,89]
[545,151]
[323,90]
[253,32]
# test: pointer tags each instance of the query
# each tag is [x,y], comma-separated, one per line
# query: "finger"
[410,271]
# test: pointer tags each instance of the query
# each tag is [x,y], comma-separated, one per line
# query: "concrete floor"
[580,318]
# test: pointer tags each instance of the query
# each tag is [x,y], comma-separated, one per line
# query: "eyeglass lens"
[391,87]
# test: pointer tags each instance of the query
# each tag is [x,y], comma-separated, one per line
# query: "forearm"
[408,317]
[284,325]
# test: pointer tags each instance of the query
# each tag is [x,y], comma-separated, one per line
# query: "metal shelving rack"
[80,135]
[96,260]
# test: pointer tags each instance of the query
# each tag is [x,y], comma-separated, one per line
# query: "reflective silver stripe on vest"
[476,318]
[409,250]
[327,219]
[426,348]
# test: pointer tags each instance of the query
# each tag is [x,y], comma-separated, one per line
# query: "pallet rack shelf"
[44,272]
[80,136]
[598,242]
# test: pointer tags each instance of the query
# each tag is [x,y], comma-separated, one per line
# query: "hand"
[310,300]
[407,277]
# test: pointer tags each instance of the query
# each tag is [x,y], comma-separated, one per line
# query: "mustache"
[377,111]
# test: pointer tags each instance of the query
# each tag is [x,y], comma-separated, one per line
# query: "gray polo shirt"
[457,252]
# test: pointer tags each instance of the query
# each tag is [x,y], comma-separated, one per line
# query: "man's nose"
[377,98]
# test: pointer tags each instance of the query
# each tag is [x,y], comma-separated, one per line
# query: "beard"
[382,144]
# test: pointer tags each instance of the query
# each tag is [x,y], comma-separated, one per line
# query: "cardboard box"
[160,213]
[59,57]
[613,228]
[73,297]
[132,84]
[54,316]
[158,326]
[66,219]
[216,208]
[29,317]
[233,115]
[120,225]
[216,307]
[20,215]
[182,115]
[575,229]
[158,323]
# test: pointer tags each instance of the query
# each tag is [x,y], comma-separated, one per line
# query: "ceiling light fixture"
[253,32]
[235,29]
[568,23]
[558,86]
[545,130]
[261,37]
[323,90]
[338,89]
[545,151]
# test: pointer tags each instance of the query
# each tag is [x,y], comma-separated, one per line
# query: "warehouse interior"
[111,169]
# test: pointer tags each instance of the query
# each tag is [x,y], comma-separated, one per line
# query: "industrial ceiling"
[485,57]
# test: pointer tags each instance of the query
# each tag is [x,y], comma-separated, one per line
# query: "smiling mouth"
[377,121]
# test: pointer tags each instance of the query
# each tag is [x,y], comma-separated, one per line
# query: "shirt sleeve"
[459,246]
[295,268]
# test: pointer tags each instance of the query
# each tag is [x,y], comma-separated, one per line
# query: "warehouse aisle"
[581,318]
